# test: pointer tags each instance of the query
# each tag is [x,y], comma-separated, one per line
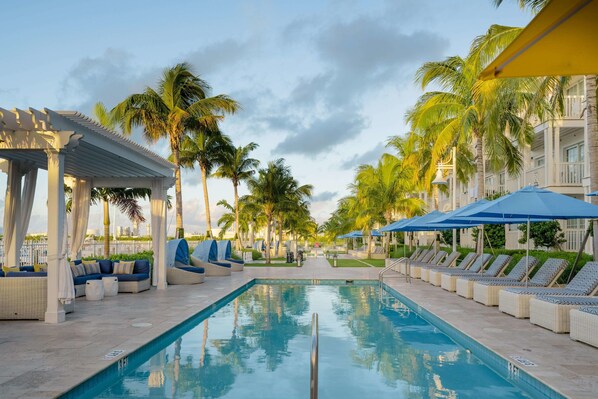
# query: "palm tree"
[591,117]
[208,149]
[273,188]
[238,166]
[180,101]
[386,189]
[125,199]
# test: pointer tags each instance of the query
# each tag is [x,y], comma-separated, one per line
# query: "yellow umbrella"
[561,40]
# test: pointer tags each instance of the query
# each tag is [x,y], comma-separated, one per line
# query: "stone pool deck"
[39,360]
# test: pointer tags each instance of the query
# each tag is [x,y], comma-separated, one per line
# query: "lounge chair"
[440,255]
[205,255]
[465,284]
[487,292]
[225,255]
[185,275]
[425,256]
[418,268]
[552,312]
[584,324]
[515,301]
[477,266]
[463,265]
[448,280]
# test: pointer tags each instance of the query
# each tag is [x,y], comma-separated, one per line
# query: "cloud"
[365,157]
[322,134]
[216,56]
[324,196]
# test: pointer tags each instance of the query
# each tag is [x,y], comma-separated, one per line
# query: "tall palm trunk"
[479,147]
[180,232]
[388,219]
[239,243]
[279,234]
[592,131]
[370,244]
[204,181]
[106,229]
[204,343]
[268,228]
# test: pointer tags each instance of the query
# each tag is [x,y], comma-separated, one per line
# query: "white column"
[12,205]
[548,156]
[557,155]
[158,225]
[56,216]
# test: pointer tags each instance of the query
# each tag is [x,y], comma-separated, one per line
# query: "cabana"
[78,151]
[205,255]
[178,269]
[225,255]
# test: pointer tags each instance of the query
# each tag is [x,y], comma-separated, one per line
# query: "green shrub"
[255,255]
[544,234]
[148,255]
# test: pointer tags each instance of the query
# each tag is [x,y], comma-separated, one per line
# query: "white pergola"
[67,143]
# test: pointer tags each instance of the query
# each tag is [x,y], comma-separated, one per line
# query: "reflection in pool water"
[257,346]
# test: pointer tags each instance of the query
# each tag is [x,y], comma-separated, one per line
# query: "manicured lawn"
[357,263]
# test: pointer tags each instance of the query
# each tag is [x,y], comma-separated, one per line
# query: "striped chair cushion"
[497,266]
[518,272]
[543,291]
[123,267]
[570,300]
[549,270]
[586,280]
[590,309]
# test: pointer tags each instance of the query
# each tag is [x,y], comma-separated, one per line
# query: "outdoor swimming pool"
[257,344]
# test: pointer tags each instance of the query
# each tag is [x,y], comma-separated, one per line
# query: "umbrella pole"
[527,254]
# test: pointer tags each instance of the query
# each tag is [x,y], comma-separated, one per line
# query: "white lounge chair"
[584,324]
[417,268]
[465,284]
[486,292]
[448,278]
[552,312]
[440,255]
[463,265]
[515,301]
[477,266]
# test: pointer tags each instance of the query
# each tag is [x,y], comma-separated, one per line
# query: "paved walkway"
[39,360]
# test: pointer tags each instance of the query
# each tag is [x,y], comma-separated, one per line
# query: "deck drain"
[141,325]
[523,361]
[113,354]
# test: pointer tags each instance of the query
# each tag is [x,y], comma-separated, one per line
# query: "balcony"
[574,106]
[569,173]
[536,176]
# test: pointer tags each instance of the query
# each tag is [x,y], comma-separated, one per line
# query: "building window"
[539,161]
[575,153]
[577,89]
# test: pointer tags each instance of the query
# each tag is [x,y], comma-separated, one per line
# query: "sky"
[322,84]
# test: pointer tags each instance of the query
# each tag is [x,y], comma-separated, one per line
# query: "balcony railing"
[536,176]
[574,106]
[569,173]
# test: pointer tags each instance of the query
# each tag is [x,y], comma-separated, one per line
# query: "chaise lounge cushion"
[192,269]
[128,277]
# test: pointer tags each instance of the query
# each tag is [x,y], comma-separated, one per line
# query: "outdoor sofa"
[135,282]
[487,292]
[24,295]
[515,301]
[465,284]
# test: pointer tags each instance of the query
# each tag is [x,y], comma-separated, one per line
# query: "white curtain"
[11,202]
[26,205]
[79,215]
[66,285]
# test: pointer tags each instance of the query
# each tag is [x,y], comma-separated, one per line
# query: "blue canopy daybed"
[178,269]
[225,254]
[205,255]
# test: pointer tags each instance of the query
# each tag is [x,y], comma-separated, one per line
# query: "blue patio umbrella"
[534,203]
[592,194]
[391,227]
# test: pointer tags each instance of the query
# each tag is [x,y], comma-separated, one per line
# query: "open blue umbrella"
[534,203]
[592,194]
[393,226]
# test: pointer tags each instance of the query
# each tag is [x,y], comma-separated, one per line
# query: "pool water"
[258,346]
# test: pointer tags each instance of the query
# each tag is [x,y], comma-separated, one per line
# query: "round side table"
[94,290]
[110,286]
